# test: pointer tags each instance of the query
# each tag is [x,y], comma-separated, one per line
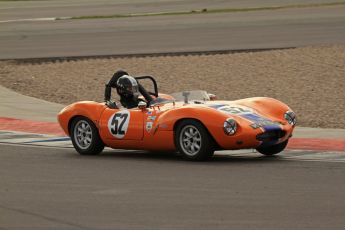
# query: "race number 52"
[234,110]
[118,124]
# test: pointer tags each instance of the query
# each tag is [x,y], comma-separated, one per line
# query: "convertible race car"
[192,123]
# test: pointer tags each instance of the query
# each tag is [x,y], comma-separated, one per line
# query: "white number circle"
[235,110]
[118,124]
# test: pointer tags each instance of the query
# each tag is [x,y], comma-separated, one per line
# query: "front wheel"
[193,140]
[273,149]
[85,137]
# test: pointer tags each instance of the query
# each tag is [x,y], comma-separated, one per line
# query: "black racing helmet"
[127,87]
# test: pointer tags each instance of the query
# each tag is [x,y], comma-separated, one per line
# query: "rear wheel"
[85,137]
[193,140]
[273,149]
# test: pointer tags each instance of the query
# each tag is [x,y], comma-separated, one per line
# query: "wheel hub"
[190,140]
[83,134]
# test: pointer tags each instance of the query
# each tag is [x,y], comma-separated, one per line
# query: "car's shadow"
[219,157]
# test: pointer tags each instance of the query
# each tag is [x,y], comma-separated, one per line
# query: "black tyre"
[273,149]
[85,137]
[193,140]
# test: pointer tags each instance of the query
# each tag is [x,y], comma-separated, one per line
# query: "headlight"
[230,126]
[290,117]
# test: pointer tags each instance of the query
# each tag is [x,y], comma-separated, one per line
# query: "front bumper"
[247,137]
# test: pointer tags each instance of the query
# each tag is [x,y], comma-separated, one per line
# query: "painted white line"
[34,139]
[33,146]
[34,19]
[50,141]
[315,156]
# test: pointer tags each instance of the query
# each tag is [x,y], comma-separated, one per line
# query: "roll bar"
[154,84]
[146,94]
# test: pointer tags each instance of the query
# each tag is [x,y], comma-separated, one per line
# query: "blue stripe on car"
[216,106]
[256,118]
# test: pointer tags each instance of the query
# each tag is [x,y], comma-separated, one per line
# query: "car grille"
[270,135]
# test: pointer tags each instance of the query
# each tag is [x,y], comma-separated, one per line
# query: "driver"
[128,90]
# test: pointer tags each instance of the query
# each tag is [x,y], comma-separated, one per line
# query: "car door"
[122,124]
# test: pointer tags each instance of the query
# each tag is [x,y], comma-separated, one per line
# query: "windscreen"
[194,95]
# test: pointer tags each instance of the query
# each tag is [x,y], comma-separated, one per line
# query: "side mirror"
[142,105]
[212,97]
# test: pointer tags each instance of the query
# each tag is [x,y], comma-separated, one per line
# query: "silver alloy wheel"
[190,140]
[83,134]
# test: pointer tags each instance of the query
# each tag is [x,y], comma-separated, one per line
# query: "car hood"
[233,109]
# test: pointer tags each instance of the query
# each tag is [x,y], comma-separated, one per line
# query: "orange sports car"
[192,123]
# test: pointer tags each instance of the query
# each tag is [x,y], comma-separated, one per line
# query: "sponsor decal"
[149,112]
[118,123]
[149,126]
[151,118]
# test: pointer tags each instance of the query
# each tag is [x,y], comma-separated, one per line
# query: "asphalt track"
[54,188]
[164,34]
[14,10]
[45,188]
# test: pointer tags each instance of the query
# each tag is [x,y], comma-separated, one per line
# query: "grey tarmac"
[54,188]
[46,188]
[164,34]
[14,10]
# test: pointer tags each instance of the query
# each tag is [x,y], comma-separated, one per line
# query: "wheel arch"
[177,122]
[94,143]
[210,118]
[89,109]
